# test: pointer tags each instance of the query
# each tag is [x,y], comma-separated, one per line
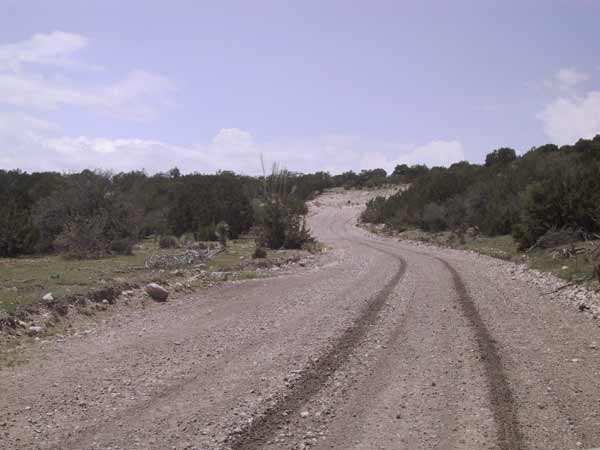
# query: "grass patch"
[574,268]
[236,252]
[502,247]
[23,281]
[578,267]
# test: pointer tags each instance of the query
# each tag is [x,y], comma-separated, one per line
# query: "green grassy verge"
[23,281]
[575,268]
[578,267]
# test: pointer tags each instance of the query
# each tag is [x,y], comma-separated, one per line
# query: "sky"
[312,85]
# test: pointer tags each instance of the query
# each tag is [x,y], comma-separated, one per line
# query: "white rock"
[48,297]
[35,329]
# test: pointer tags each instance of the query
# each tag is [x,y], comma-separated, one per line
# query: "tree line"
[547,188]
[94,214]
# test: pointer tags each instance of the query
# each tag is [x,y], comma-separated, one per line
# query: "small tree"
[278,216]
[374,211]
[86,218]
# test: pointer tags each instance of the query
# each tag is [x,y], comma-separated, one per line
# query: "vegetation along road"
[382,345]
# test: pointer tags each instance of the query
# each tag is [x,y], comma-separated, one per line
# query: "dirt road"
[384,345]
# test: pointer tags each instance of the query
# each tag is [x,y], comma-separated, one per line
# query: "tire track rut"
[313,378]
[509,436]
[508,433]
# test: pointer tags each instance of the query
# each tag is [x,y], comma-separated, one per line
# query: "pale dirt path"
[384,346]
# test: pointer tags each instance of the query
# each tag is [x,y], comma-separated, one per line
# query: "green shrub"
[374,212]
[546,188]
[168,242]
[83,238]
[434,217]
[260,252]
[296,233]
[207,233]
[122,246]
[187,240]
[85,217]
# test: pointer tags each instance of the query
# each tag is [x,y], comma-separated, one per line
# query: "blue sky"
[313,84]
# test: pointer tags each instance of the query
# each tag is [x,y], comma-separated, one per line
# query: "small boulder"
[48,297]
[157,292]
[34,330]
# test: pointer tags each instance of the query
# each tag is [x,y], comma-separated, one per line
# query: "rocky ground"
[379,345]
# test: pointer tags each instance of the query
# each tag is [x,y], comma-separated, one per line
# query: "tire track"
[503,406]
[509,436]
[314,377]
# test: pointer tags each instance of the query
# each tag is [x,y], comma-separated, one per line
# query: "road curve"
[385,345]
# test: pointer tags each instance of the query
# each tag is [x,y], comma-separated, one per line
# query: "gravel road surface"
[381,345]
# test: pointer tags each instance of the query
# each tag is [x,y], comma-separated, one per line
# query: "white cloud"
[566,79]
[21,123]
[231,149]
[35,78]
[140,95]
[55,48]
[570,118]
[569,78]
[233,137]
[573,113]
[77,153]
[20,136]
[434,153]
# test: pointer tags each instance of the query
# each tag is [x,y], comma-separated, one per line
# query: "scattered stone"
[35,330]
[157,292]
[304,414]
[48,297]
